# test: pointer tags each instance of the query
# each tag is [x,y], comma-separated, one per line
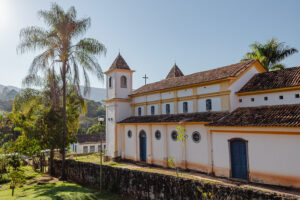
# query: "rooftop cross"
[145,77]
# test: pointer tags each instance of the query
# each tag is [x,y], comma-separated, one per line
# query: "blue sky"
[152,35]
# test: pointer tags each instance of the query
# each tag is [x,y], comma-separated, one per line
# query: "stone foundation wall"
[145,185]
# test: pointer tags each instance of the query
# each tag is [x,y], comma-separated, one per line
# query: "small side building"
[88,143]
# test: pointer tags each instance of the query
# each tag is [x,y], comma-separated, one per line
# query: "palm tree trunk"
[63,173]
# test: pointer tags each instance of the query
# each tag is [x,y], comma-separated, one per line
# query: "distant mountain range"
[8,93]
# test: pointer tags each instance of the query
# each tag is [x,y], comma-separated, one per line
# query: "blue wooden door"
[239,163]
[143,146]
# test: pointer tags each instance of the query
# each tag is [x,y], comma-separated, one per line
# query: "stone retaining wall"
[145,185]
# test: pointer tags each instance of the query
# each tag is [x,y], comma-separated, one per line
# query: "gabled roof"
[189,117]
[201,77]
[119,63]
[174,72]
[275,79]
[278,115]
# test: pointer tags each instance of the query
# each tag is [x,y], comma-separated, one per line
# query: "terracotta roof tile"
[278,115]
[200,77]
[276,79]
[189,117]
[119,63]
[174,72]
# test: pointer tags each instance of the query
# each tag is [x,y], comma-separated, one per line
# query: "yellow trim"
[167,145]
[119,70]
[118,100]
[136,143]
[151,145]
[145,109]
[269,91]
[258,67]
[176,102]
[225,103]
[166,123]
[258,132]
[199,96]
[182,87]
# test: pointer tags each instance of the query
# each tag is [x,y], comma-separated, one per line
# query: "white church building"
[242,122]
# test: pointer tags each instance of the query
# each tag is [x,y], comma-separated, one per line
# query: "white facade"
[91,147]
[270,99]
[272,156]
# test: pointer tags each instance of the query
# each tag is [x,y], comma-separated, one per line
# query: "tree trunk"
[12,191]
[63,173]
[51,161]
[41,163]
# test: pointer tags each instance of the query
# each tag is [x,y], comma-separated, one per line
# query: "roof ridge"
[203,76]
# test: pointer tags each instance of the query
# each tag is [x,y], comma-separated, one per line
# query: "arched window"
[152,110]
[139,111]
[168,109]
[208,104]
[123,82]
[185,107]
[110,82]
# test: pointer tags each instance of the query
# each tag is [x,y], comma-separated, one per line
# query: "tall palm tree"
[270,54]
[62,51]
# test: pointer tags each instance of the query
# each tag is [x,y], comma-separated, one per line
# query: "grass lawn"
[39,186]
[94,158]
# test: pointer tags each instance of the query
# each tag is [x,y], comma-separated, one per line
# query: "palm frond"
[277,67]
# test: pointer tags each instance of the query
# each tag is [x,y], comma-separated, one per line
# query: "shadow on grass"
[65,191]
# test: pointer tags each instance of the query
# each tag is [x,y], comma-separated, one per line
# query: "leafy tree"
[96,128]
[17,179]
[181,137]
[39,119]
[270,54]
[63,53]
[14,161]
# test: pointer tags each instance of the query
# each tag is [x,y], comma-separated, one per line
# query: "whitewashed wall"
[136,110]
[163,108]
[190,106]
[153,97]
[267,153]
[110,91]
[175,149]
[197,153]
[110,128]
[123,92]
[215,104]
[155,109]
[273,99]
[159,149]
[130,143]
[237,85]
[208,89]
[167,95]
[185,92]
[139,99]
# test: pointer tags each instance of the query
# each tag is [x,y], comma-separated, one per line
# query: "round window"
[196,137]
[129,133]
[157,134]
[174,135]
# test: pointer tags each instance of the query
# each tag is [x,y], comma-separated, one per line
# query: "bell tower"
[118,89]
